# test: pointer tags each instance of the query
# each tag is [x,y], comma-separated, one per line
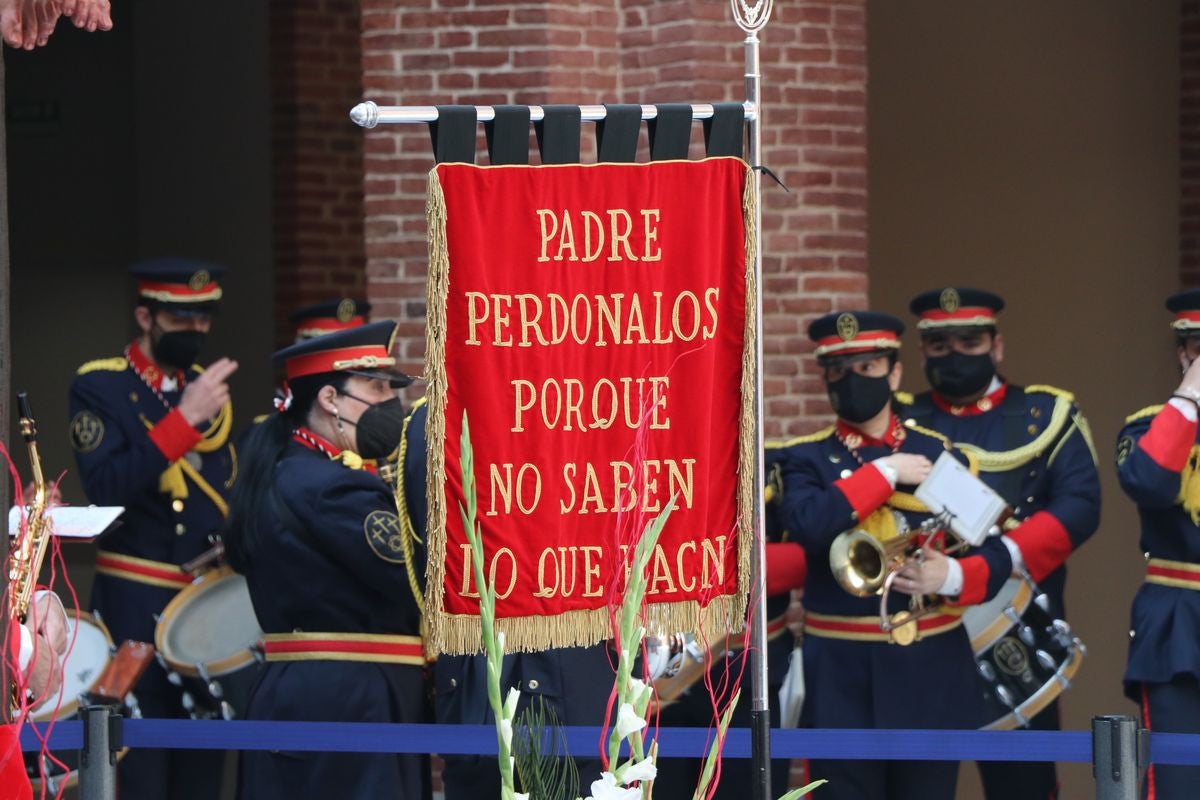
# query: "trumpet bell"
[858,562]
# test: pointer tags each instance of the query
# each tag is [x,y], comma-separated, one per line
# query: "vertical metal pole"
[5,388]
[751,19]
[1119,757]
[98,758]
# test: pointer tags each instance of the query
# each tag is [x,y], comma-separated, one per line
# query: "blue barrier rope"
[367,737]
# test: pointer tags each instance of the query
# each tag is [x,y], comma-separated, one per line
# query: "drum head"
[86,659]
[987,622]
[211,622]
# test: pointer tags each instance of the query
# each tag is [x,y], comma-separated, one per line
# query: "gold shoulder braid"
[1189,486]
[1042,388]
[407,535]
[117,364]
[824,433]
[172,482]
[903,398]
[1148,411]
[1019,457]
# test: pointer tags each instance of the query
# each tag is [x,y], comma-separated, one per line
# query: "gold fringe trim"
[437,295]
[747,490]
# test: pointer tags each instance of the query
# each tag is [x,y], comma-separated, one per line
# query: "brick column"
[317,155]
[814,60]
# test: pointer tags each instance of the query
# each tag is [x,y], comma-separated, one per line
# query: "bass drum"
[1024,657]
[91,650]
[208,641]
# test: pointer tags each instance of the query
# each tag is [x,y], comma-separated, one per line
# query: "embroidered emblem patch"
[382,529]
[87,431]
[847,326]
[1124,448]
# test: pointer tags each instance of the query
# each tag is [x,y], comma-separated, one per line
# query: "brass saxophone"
[25,562]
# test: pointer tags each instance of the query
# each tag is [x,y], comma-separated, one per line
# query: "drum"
[91,649]
[1024,657]
[208,641]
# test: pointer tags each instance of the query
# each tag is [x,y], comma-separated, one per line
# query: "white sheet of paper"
[974,506]
[73,522]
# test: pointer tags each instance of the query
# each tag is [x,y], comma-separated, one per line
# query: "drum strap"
[866,629]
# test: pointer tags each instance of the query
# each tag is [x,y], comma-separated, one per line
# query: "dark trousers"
[1171,708]
[1028,780]
[151,774]
[885,780]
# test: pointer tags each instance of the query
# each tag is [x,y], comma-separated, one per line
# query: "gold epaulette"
[1148,411]
[116,364]
[1044,388]
[820,435]
[904,398]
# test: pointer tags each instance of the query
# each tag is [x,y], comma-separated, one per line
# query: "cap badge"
[199,280]
[345,310]
[847,326]
[949,300]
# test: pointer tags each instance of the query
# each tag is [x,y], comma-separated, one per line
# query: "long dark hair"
[257,457]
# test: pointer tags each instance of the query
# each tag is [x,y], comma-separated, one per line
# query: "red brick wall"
[317,154]
[814,60]
[1189,144]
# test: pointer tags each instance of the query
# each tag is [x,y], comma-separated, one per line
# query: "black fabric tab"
[724,132]
[670,132]
[558,134]
[508,135]
[617,133]
[453,134]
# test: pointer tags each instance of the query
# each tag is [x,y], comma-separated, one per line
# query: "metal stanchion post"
[1120,755]
[98,758]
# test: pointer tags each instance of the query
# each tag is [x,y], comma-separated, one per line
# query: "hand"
[43,677]
[51,620]
[1190,385]
[26,24]
[90,15]
[924,576]
[910,469]
[205,396]
[795,614]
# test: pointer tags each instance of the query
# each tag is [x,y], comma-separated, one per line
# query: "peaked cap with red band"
[953,307]
[1186,306]
[850,333]
[179,285]
[324,318]
[365,350]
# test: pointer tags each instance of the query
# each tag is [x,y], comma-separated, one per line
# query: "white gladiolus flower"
[510,702]
[520,795]
[607,789]
[506,732]
[628,721]
[639,691]
[644,770]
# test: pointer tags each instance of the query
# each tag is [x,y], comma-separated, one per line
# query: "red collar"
[146,369]
[981,406]
[853,438]
[317,442]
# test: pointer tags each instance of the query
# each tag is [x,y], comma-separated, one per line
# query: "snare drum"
[91,650]
[207,638]
[1024,658]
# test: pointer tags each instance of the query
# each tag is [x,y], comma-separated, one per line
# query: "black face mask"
[956,375]
[177,349]
[857,398]
[380,428]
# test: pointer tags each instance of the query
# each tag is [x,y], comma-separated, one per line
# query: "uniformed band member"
[1158,463]
[150,431]
[329,317]
[730,670]
[1034,449]
[316,534]
[859,474]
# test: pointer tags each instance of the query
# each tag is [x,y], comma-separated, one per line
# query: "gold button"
[1035,412]
[133,396]
[180,529]
[533,685]
[177,506]
[1032,429]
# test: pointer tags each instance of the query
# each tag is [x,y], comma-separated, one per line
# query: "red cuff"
[1170,438]
[1044,542]
[975,572]
[866,489]
[173,436]
[787,567]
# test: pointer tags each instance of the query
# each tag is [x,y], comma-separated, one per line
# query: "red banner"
[593,323]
